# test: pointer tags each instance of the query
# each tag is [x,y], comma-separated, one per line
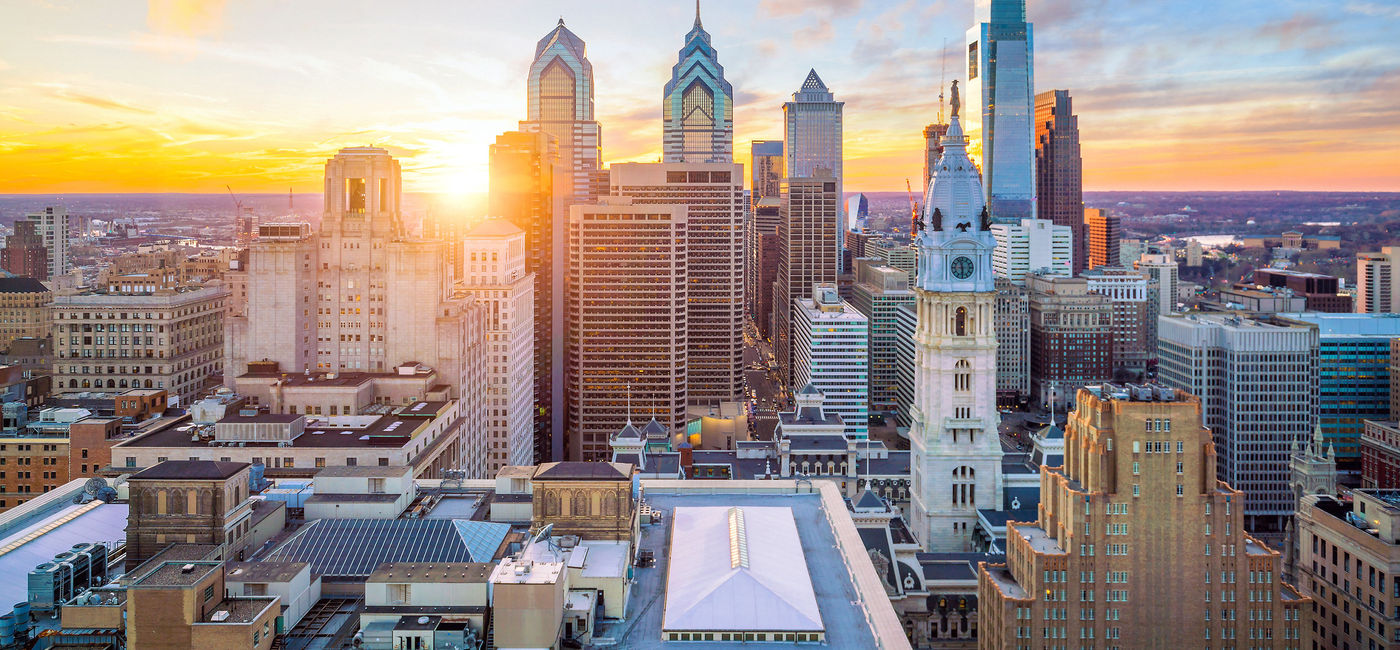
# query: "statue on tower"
[957,103]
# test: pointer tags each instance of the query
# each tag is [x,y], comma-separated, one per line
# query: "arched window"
[964,479]
[962,376]
[960,321]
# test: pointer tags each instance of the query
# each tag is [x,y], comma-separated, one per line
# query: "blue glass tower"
[1001,115]
[559,95]
[697,112]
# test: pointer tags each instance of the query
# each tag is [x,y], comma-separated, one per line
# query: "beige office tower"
[1137,544]
[1377,277]
[493,267]
[809,252]
[358,296]
[626,321]
[713,194]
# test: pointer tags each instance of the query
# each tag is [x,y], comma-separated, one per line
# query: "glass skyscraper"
[560,98]
[1000,122]
[697,112]
[812,132]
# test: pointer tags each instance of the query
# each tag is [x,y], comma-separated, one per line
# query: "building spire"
[698,25]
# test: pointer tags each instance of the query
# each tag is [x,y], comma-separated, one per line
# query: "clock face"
[962,268]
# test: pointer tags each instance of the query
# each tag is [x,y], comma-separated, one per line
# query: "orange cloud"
[185,17]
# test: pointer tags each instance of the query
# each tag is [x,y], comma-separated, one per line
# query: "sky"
[190,96]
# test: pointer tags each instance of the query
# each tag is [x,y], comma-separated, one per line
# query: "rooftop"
[441,572]
[581,471]
[55,530]
[177,574]
[263,571]
[354,548]
[237,610]
[21,284]
[191,469]
[367,471]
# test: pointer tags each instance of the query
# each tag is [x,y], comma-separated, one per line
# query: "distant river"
[1214,241]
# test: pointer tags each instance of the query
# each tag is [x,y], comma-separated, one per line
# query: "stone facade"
[591,500]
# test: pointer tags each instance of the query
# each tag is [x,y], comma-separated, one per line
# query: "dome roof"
[955,191]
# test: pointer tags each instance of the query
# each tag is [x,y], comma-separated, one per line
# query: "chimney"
[687,459]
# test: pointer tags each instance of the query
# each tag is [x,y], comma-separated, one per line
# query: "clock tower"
[955,450]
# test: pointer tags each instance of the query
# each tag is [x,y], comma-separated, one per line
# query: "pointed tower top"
[813,82]
[561,19]
[698,24]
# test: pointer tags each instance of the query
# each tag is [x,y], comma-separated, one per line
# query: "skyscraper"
[55,226]
[1000,89]
[1013,330]
[1137,544]
[25,253]
[714,196]
[1258,384]
[831,348]
[762,264]
[526,184]
[812,132]
[808,228]
[1071,337]
[933,149]
[955,449]
[766,173]
[1103,234]
[1126,290]
[559,94]
[1059,170]
[627,324]
[1377,281]
[697,109]
[493,263]
[1030,246]
[878,292]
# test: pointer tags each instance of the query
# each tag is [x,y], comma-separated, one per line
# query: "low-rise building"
[423,605]
[24,309]
[1349,563]
[184,605]
[371,492]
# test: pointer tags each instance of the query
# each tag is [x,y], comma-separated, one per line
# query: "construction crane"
[942,78]
[236,202]
[913,209]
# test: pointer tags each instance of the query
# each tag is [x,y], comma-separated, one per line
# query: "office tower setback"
[766,169]
[494,261]
[714,196]
[1000,90]
[1102,232]
[933,149]
[697,108]
[54,225]
[1032,246]
[955,452]
[812,134]
[1377,281]
[169,340]
[1013,330]
[1126,290]
[1354,378]
[526,184]
[627,321]
[878,293]
[831,352]
[1059,170]
[1071,337]
[559,97]
[1258,385]
[1137,544]
[808,253]
[25,253]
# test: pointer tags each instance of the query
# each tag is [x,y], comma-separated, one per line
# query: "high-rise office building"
[1102,232]
[559,96]
[1354,378]
[1163,282]
[955,452]
[1258,385]
[1071,337]
[1134,520]
[25,253]
[714,196]
[1347,551]
[527,188]
[1013,330]
[627,320]
[1059,170]
[765,249]
[906,324]
[697,108]
[857,211]
[766,169]
[831,351]
[894,254]
[360,295]
[1126,290]
[494,261]
[808,228]
[1320,291]
[1032,246]
[812,133]
[878,292]
[933,149]
[1001,95]
[1377,281]
[54,225]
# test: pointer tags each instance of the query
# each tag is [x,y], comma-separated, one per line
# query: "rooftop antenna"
[942,76]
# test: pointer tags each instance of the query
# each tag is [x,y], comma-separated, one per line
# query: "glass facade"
[1000,122]
[812,132]
[559,95]
[697,109]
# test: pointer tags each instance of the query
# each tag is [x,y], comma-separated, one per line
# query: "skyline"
[176,96]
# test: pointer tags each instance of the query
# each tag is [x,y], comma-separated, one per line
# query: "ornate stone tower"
[956,453]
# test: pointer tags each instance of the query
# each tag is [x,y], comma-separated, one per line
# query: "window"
[209,592]
[960,321]
[1136,491]
[400,593]
[383,462]
[376,486]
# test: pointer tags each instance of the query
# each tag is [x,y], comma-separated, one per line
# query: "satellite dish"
[94,485]
[423,620]
[544,533]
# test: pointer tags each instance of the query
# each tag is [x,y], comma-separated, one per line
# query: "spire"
[698,25]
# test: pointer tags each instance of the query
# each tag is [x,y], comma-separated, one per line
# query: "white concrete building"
[494,272]
[55,225]
[1378,281]
[831,351]
[1160,267]
[1032,245]
[1258,384]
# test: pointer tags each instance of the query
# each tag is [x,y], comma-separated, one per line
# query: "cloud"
[66,93]
[798,7]
[253,54]
[1301,30]
[185,17]
[1374,9]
